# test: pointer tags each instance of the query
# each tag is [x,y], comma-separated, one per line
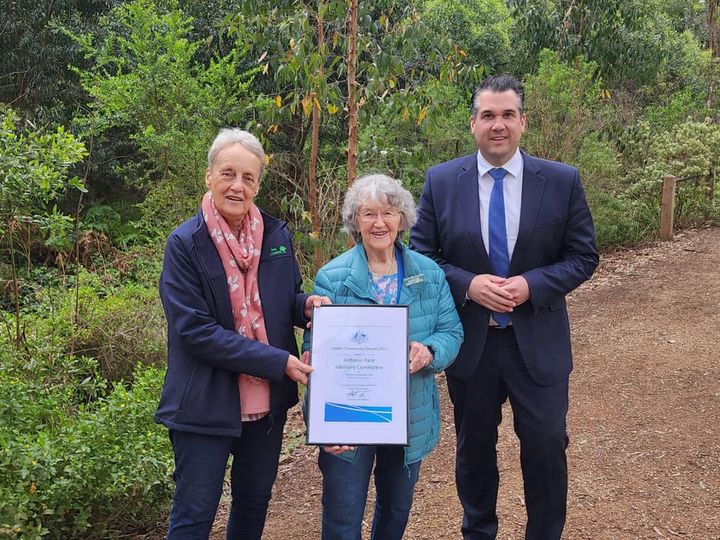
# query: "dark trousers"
[539,420]
[200,462]
[345,491]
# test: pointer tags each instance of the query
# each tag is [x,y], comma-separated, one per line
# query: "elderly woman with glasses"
[230,287]
[382,270]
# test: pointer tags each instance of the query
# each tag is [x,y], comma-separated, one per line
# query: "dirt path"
[644,418]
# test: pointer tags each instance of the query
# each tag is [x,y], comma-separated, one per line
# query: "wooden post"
[668,208]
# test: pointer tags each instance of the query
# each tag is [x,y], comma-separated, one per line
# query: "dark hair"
[499,83]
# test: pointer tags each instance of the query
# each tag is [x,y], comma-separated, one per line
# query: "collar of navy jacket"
[211,264]
[533,189]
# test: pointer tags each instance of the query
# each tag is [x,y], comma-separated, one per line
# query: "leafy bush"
[34,173]
[619,221]
[599,162]
[120,328]
[564,105]
[396,142]
[680,106]
[688,151]
[114,328]
[479,27]
[146,79]
[103,472]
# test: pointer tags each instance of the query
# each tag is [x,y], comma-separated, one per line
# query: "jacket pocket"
[188,386]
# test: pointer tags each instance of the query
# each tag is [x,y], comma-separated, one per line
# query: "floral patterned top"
[383,287]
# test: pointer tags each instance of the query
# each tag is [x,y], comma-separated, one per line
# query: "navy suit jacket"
[205,353]
[555,252]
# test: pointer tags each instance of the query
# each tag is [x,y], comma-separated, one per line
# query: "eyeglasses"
[371,216]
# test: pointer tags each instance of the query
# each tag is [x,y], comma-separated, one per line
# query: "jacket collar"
[211,264]
[357,279]
[469,204]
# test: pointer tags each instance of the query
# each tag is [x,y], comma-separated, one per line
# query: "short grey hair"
[379,189]
[229,136]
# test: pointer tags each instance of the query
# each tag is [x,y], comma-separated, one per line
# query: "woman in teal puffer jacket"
[380,269]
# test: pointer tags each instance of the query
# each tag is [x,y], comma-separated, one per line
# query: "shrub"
[101,473]
[138,45]
[687,151]
[115,328]
[120,328]
[618,220]
[564,105]
[479,27]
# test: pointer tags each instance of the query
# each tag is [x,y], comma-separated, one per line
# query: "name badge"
[413,280]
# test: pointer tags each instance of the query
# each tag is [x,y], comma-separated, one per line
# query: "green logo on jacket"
[278,251]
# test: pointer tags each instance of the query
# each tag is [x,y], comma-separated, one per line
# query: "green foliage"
[110,330]
[398,144]
[117,326]
[679,107]
[35,56]
[619,220]
[100,332]
[34,173]
[145,78]
[100,473]
[479,27]
[599,162]
[564,104]
[687,151]
[399,59]
[631,42]
[34,169]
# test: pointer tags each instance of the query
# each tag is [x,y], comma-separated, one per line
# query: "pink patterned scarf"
[241,259]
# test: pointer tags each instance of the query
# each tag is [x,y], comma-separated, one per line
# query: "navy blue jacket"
[205,353]
[555,252]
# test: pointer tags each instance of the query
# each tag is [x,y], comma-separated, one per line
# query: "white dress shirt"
[512,194]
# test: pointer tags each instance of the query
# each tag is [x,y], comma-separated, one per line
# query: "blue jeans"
[345,488]
[200,462]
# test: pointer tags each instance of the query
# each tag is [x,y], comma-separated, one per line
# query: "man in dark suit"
[514,235]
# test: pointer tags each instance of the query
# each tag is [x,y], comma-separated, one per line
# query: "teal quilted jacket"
[433,321]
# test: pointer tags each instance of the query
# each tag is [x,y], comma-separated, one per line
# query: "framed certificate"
[358,391]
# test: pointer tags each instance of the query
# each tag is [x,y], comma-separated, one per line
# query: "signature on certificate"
[358,393]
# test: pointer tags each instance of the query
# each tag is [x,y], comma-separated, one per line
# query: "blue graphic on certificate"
[344,412]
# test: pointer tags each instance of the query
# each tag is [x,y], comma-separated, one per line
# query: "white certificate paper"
[358,391]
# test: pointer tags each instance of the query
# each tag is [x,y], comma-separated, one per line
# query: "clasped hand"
[497,293]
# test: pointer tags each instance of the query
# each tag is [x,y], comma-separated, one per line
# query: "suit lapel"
[469,205]
[533,189]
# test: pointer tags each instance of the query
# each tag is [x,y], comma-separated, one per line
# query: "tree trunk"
[314,144]
[352,98]
[16,286]
[713,44]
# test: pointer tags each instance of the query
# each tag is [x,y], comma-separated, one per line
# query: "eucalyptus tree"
[304,51]
[631,41]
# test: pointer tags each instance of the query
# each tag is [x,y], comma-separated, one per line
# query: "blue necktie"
[497,233]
